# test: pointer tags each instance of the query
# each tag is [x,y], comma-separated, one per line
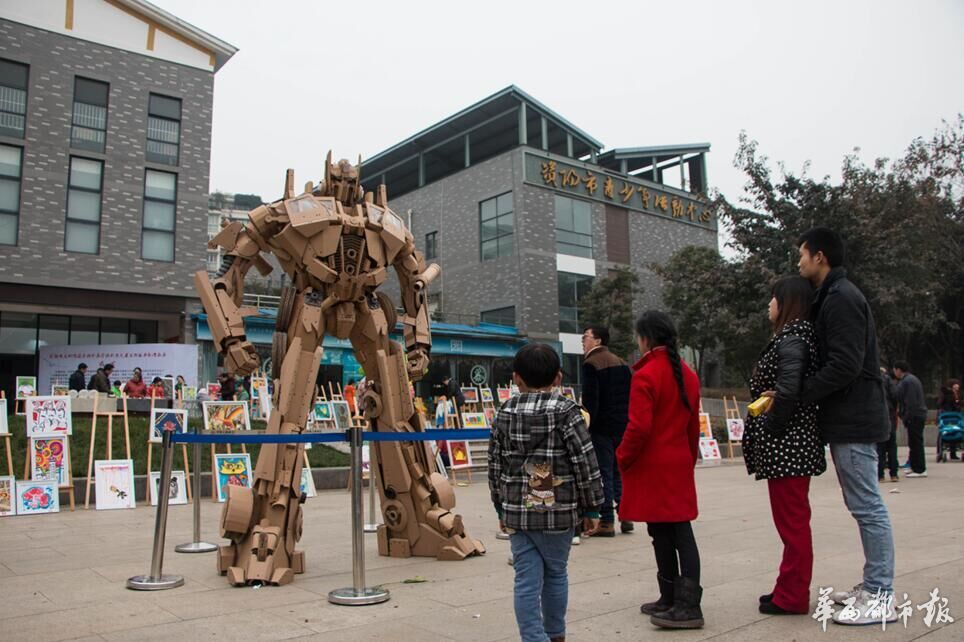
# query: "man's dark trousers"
[605,447]
[915,439]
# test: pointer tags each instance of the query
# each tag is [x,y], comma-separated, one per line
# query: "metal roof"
[612,159]
[466,119]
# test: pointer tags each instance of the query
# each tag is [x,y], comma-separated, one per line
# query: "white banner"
[57,363]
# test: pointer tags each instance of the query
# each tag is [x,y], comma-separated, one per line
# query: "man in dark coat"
[852,414]
[454,392]
[887,449]
[78,380]
[913,412]
[605,396]
[101,379]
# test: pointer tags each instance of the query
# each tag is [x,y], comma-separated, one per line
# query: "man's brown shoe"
[605,529]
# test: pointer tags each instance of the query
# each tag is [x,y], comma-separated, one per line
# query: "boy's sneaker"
[867,608]
[841,597]
[576,541]
[913,474]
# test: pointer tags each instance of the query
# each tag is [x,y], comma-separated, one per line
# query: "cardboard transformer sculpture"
[336,243]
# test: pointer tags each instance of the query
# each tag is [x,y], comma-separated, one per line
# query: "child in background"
[156,389]
[115,390]
[543,478]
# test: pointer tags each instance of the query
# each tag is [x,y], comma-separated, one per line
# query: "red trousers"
[791,515]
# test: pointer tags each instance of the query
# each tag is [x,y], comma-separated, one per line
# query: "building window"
[13,98]
[10,162]
[573,227]
[496,226]
[572,287]
[89,127]
[431,246]
[499,316]
[160,205]
[163,129]
[83,206]
[572,369]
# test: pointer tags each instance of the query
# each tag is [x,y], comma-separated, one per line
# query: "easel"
[68,478]
[150,447]
[6,437]
[732,412]
[488,407]
[335,396]
[110,435]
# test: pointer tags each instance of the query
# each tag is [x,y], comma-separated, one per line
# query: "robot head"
[342,181]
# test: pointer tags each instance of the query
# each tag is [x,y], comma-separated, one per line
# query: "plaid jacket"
[544,428]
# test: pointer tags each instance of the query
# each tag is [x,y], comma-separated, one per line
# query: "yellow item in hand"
[759,406]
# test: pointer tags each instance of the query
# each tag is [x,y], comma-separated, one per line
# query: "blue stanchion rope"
[323,437]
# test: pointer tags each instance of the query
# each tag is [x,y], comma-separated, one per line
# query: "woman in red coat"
[656,459]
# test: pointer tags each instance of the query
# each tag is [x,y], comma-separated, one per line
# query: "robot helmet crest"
[342,180]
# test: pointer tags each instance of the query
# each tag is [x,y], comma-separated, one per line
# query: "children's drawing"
[59,391]
[114,479]
[232,470]
[734,429]
[459,455]
[167,419]
[26,387]
[226,416]
[504,394]
[50,459]
[36,498]
[474,420]
[486,395]
[177,491]
[167,383]
[47,416]
[307,482]
[214,391]
[342,414]
[471,394]
[8,495]
[322,411]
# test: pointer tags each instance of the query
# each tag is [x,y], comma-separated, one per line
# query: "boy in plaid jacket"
[544,479]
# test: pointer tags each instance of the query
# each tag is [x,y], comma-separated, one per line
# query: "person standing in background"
[78,380]
[913,412]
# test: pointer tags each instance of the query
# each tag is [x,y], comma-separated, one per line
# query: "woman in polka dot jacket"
[783,445]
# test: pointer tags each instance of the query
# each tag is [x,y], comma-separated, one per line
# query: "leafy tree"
[247,201]
[610,303]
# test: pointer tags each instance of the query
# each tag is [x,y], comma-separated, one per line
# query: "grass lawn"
[320,455]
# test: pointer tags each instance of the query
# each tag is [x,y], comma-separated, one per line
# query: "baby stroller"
[950,433]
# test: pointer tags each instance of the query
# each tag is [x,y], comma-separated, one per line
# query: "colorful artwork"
[36,498]
[366,461]
[322,411]
[569,393]
[486,395]
[4,427]
[261,397]
[26,387]
[167,383]
[471,394]
[342,414]
[459,455]
[167,419]
[8,494]
[50,460]
[226,416]
[489,415]
[114,484]
[474,420]
[189,393]
[514,390]
[57,390]
[48,416]
[177,491]
[734,428]
[504,394]
[307,482]
[232,470]
[705,429]
[710,451]
[214,391]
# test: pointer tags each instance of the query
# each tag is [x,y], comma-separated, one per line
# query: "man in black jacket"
[913,412]
[852,415]
[78,380]
[605,396]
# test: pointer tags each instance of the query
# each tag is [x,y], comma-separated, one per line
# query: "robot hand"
[240,358]
[417,362]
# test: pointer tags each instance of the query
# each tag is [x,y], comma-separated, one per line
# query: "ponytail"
[658,329]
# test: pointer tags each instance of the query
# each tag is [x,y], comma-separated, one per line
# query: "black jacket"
[454,393]
[99,382]
[785,441]
[76,381]
[848,386]
[605,392]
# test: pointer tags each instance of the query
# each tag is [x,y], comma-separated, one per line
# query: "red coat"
[658,452]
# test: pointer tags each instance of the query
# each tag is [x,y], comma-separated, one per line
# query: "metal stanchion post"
[371,524]
[157,581]
[197,546]
[358,594]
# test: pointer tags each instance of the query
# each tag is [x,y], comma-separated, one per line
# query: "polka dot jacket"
[785,442]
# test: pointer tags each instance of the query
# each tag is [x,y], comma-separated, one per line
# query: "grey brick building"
[523,210]
[105,135]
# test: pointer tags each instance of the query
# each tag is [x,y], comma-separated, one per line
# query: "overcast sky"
[808,80]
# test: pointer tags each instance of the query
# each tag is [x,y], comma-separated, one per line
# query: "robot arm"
[414,278]
[222,297]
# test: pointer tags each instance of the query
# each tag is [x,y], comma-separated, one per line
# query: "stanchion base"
[148,583]
[350,597]
[371,528]
[502,535]
[196,547]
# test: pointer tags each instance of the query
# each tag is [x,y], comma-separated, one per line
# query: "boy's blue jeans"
[540,559]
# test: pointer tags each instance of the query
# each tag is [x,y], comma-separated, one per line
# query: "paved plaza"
[63,576]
